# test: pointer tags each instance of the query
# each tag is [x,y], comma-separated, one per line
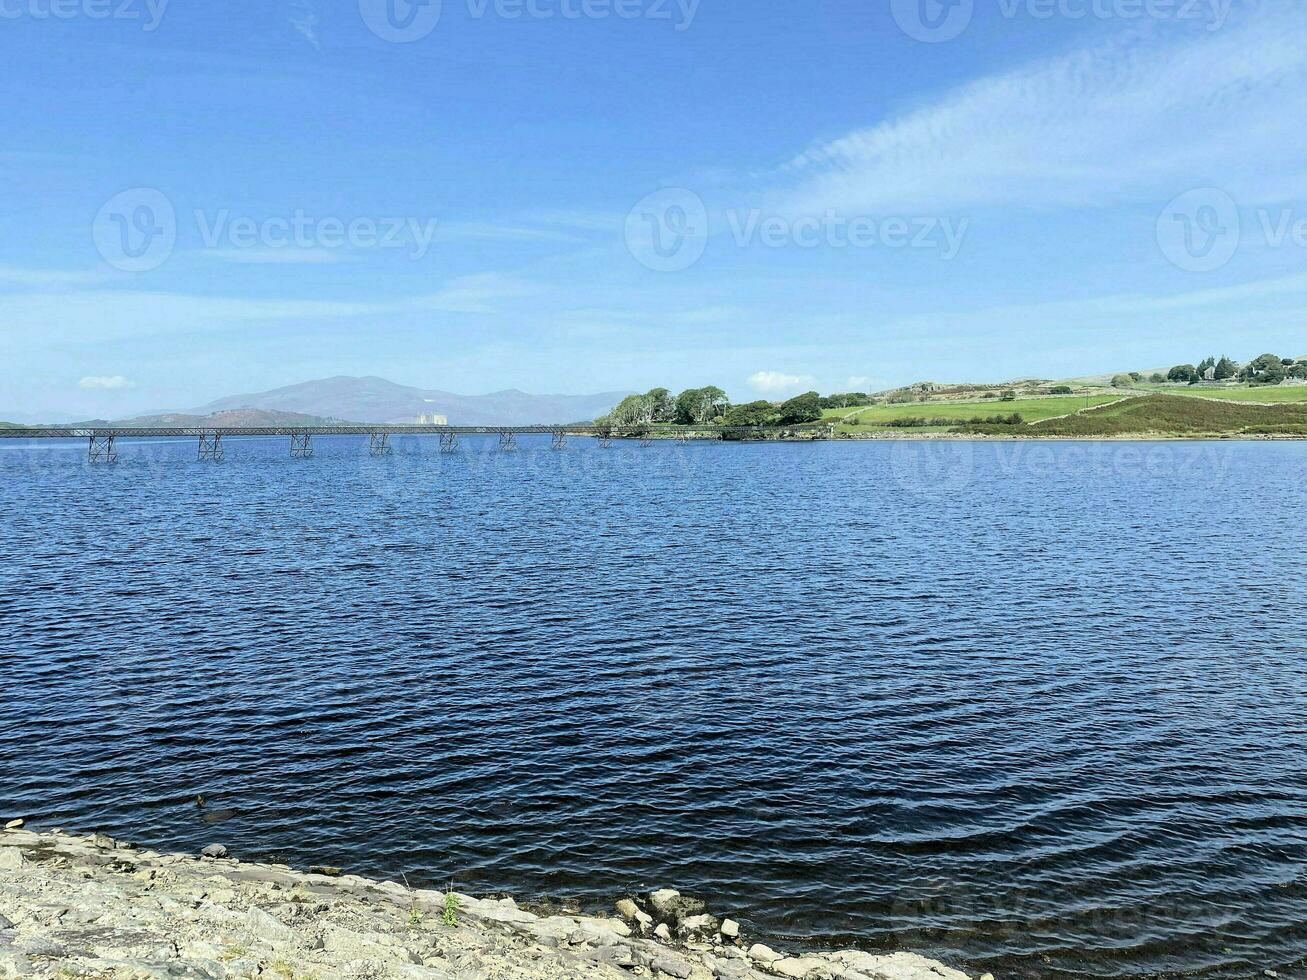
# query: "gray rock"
[619,956]
[764,955]
[214,851]
[730,929]
[663,933]
[14,824]
[697,926]
[11,859]
[670,906]
[268,928]
[627,909]
[673,966]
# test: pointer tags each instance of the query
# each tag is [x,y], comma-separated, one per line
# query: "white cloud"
[1139,117]
[115,383]
[777,383]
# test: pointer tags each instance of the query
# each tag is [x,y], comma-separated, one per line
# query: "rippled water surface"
[1035,709]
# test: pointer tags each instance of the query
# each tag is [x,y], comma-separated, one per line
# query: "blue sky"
[584,195]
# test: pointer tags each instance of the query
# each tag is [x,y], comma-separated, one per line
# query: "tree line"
[710,406]
[1268,369]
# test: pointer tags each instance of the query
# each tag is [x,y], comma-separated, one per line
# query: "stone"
[670,906]
[663,933]
[104,841]
[627,909]
[764,955]
[802,968]
[324,869]
[673,966]
[11,859]
[619,956]
[269,928]
[692,926]
[14,824]
[730,929]
[214,851]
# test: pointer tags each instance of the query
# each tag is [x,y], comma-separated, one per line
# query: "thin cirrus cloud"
[101,383]
[1109,124]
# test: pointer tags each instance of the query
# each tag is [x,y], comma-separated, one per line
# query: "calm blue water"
[1035,709]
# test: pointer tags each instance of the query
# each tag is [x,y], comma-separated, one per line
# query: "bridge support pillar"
[380,444]
[449,442]
[301,445]
[507,441]
[683,438]
[646,442]
[605,440]
[211,446]
[101,450]
[560,439]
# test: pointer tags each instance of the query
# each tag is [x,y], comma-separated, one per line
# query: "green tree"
[661,406]
[1008,396]
[697,406]
[1183,374]
[753,413]
[1299,370]
[800,409]
[1122,381]
[1060,390]
[1157,378]
[1226,369]
[1268,369]
[631,410]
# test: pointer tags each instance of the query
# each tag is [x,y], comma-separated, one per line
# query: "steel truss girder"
[301,445]
[380,444]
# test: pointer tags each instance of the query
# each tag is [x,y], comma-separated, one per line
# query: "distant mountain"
[379,400]
[241,418]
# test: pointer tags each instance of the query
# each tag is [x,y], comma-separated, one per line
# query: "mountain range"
[378,400]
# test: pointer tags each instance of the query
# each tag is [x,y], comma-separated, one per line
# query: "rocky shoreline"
[92,907]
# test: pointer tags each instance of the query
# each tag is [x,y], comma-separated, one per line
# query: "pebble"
[14,824]
[214,851]
[765,955]
[663,933]
[731,930]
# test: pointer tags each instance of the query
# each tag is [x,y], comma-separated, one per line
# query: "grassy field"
[1166,415]
[1264,394]
[1030,409]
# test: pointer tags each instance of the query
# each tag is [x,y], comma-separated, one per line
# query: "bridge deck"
[126,432]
